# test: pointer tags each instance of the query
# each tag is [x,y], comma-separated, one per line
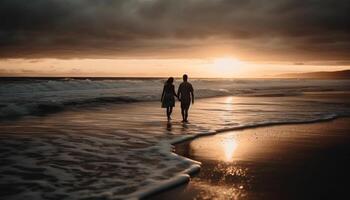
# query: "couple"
[184,94]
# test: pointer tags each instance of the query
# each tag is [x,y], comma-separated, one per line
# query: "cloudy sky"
[169,37]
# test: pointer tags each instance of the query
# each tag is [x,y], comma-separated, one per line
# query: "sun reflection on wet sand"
[229,146]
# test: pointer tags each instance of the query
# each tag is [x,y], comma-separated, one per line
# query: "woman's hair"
[170,80]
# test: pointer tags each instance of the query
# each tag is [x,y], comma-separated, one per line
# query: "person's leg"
[167,112]
[170,111]
[186,114]
[183,113]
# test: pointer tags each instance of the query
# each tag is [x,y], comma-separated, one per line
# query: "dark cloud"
[310,29]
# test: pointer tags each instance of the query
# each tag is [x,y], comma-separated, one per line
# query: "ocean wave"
[39,96]
[99,100]
[12,110]
[273,94]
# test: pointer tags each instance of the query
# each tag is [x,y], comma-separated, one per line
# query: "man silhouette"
[186,96]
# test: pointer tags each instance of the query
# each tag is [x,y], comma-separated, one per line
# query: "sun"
[227,65]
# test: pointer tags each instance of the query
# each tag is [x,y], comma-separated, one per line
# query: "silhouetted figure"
[168,97]
[186,96]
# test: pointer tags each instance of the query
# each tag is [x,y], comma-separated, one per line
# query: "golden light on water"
[228,103]
[229,146]
[228,106]
[229,100]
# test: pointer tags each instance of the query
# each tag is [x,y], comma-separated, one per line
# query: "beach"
[109,139]
[304,161]
[174,99]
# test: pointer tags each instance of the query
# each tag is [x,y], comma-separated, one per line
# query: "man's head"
[185,77]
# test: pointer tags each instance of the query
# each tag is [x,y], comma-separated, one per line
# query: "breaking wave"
[40,96]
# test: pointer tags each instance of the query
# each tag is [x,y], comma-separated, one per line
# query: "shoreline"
[173,184]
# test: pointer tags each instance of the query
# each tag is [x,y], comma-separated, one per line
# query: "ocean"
[66,138]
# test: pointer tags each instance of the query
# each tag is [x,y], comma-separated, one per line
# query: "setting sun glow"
[227,65]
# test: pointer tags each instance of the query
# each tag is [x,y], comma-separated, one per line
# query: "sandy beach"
[304,161]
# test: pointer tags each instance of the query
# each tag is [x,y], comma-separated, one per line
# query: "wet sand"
[306,161]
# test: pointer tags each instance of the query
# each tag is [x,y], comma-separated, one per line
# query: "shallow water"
[117,150]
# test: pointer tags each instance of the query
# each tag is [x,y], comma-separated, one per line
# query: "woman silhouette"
[168,97]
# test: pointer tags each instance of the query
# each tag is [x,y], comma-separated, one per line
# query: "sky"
[216,38]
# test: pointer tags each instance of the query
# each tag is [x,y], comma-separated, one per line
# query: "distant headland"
[344,74]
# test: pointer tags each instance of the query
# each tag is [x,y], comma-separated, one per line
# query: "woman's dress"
[168,99]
